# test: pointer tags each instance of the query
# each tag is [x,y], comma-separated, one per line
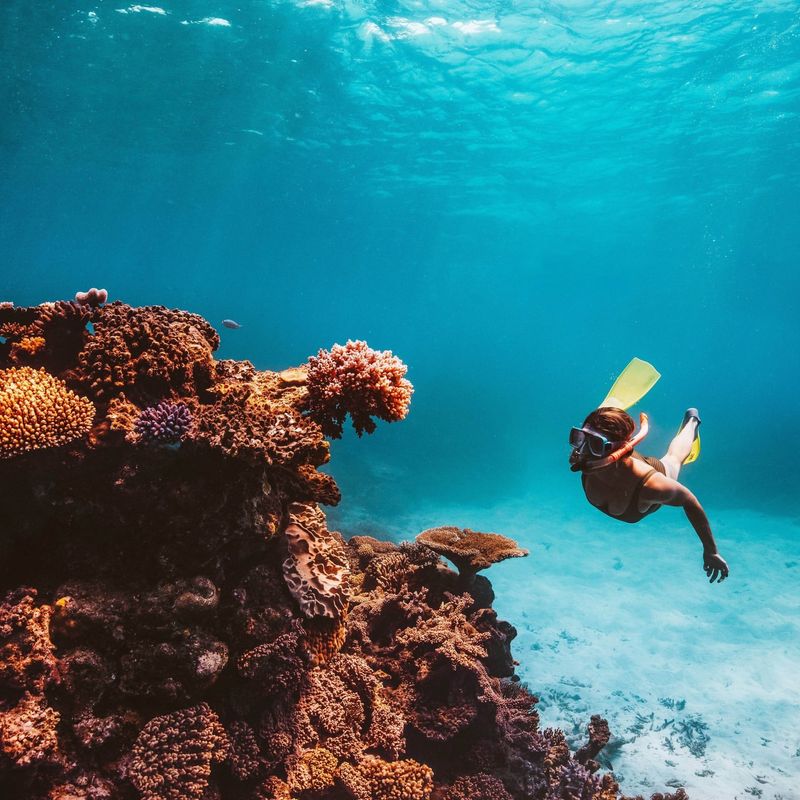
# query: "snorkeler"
[628,486]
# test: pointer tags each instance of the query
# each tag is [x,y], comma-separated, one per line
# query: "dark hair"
[614,423]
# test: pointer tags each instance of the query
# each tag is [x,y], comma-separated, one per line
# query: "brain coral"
[38,411]
[358,380]
[172,757]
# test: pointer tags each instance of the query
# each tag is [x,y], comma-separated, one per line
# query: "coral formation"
[357,380]
[471,551]
[39,411]
[179,622]
[165,423]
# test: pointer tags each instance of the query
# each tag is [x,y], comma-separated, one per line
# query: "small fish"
[231,323]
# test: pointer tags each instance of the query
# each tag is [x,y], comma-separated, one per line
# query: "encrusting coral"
[179,623]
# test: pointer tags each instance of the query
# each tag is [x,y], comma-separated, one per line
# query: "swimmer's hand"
[715,567]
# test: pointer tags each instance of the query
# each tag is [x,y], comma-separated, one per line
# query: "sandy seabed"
[698,681]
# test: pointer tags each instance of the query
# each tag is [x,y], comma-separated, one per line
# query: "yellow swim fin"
[695,451]
[633,383]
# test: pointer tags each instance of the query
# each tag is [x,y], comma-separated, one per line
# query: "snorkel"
[581,463]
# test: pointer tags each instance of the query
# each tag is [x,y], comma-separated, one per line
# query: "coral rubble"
[177,620]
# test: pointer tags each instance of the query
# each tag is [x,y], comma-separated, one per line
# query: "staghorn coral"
[39,411]
[376,779]
[165,423]
[316,570]
[173,754]
[471,551]
[357,380]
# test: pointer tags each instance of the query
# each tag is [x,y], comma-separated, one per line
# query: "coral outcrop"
[179,623]
[357,380]
[38,411]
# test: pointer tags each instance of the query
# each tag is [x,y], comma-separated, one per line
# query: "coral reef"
[179,622]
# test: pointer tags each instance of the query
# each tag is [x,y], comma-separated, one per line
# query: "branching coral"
[357,380]
[165,423]
[173,754]
[39,411]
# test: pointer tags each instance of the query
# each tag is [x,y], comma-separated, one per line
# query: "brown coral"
[376,779]
[316,570]
[28,731]
[151,350]
[39,411]
[358,380]
[313,770]
[477,787]
[173,754]
[471,551]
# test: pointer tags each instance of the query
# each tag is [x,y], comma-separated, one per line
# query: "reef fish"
[231,323]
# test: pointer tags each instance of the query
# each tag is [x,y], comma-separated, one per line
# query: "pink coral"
[357,380]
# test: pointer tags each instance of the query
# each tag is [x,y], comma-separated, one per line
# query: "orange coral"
[38,411]
[28,731]
[325,638]
[314,770]
[376,779]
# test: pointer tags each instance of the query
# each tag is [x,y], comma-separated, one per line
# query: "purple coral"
[165,423]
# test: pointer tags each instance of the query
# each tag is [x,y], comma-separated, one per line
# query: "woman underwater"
[628,486]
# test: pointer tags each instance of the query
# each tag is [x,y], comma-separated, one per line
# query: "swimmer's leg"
[680,446]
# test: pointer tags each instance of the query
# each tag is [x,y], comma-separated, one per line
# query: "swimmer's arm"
[667,492]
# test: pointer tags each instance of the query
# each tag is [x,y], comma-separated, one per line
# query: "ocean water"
[515,198]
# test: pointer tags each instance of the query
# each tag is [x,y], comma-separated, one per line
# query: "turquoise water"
[516,198]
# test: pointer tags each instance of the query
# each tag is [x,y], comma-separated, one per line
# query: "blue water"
[516,198]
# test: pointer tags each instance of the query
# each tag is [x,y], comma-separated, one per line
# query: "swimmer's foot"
[691,413]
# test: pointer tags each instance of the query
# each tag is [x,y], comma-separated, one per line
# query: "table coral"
[39,411]
[357,380]
[173,754]
[471,551]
